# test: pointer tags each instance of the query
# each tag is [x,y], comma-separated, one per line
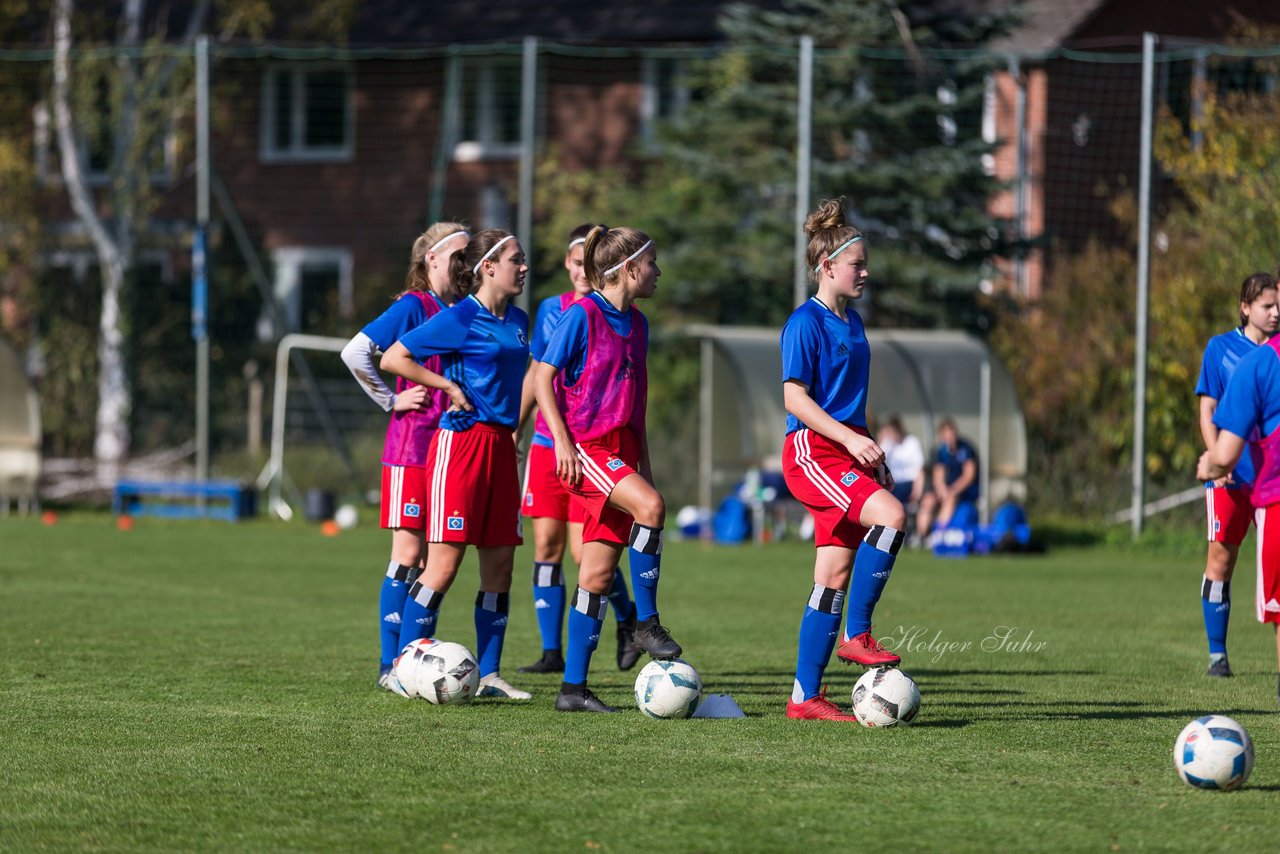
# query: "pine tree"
[896,131]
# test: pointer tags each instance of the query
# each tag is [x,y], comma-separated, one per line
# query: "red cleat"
[864,649]
[817,708]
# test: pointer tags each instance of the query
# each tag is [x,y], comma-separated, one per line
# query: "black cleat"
[1219,668]
[551,662]
[578,698]
[628,652]
[654,639]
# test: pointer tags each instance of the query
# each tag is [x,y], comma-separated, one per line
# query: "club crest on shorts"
[413,511]
[849,478]
[615,464]
[456,523]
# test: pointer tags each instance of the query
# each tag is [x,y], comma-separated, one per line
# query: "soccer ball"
[1213,752]
[405,668]
[346,516]
[885,697]
[668,689]
[447,674]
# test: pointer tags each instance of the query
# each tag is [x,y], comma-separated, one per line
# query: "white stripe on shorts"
[1260,521]
[394,505]
[439,477]
[593,471]
[813,471]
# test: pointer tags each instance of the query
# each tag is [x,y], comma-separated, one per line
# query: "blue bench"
[182,499]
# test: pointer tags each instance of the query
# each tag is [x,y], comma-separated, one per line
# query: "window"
[313,286]
[95,149]
[308,113]
[666,93]
[489,112]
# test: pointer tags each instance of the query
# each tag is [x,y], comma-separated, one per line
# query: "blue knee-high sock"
[619,598]
[586,617]
[491,629]
[421,610]
[395,589]
[1215,599]
[871,568]
[646,559]
[818,629]
[548,602]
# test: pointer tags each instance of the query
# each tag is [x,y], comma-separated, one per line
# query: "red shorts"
[475,488]
[404,497]
[545,497]
[1268,590]
[605,462]
[826,480]
[1230,512]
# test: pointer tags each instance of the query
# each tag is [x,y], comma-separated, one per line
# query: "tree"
[895,130]
[143,92]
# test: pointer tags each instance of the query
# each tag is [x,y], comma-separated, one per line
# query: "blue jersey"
[1221,357]
[953,462]
[831,357]
[393,324]
[1250,407]
[484,354]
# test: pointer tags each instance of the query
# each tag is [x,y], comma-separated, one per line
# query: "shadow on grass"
[946,723]
[1113,714]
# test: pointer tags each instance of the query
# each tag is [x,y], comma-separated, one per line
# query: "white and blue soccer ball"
[885,697]
[668,689]
[1213,752]
[439,672]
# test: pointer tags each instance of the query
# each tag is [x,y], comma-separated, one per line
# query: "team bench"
[184,499]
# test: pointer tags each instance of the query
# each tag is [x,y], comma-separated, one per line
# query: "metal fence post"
[528,116]
[804,156]
[199,260]
[1144,281]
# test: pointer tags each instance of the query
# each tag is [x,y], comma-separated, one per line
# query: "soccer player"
[596,415]
[1228,498]
[955,480]
[474,493]
[832,465]
[546,501]
[1249,410]
[415,417]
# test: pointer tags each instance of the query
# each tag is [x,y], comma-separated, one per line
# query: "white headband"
[440,243]
[576,241]
[843,246]
[496,246]
[633,256]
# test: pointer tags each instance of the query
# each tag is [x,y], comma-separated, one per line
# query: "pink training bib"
[540,425]
[1265,453]
[409,433]
[613,390]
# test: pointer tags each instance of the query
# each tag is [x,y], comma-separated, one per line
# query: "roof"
[1046,24]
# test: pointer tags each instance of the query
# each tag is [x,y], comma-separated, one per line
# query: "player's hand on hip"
[1205,469]
[411,399]
[884,477]
[865,451]
[458,397]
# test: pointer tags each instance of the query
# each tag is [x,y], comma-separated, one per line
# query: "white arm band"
[358,357]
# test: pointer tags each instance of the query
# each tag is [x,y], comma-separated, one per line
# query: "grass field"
[206,686]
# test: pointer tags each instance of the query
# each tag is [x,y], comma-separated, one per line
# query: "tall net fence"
[978,178]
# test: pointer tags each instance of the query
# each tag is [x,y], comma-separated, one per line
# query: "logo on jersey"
[842,350]
[615,464]
[413,511]
[849,478]
[520,336]
[456,523]
[626,370]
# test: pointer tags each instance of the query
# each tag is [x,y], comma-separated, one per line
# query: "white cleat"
[390,682]
[494,685]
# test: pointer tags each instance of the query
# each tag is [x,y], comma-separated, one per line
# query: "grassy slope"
[208,686]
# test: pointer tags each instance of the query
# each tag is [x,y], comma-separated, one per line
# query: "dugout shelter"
[19,434]
[921,375]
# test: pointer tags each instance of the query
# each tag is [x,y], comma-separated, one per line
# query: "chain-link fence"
[976,176]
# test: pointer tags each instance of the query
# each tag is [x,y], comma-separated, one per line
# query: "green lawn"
[208,686]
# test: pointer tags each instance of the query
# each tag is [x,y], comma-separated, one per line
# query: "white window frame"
[294,76]
[288,262]
[484,146]
[48,174]
[652,97]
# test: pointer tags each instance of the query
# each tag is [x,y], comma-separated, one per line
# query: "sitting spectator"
[905,458]
[955,480]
